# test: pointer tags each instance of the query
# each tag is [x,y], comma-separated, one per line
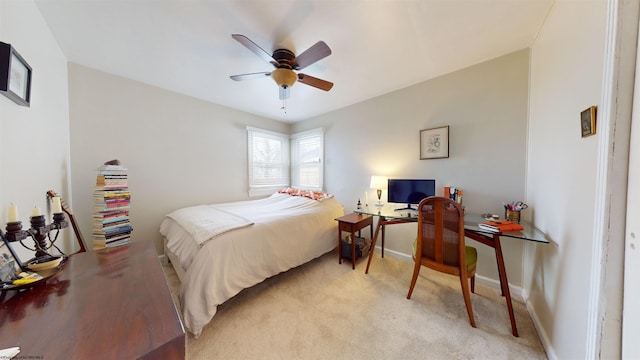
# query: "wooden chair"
[440,245]
[72,220]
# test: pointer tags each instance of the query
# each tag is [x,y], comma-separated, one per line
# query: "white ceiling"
[378,46]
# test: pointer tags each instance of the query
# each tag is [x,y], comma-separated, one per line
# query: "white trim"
[306,132]
[517,293]
[544,337]
[595,317]
[270,132]
[631,289]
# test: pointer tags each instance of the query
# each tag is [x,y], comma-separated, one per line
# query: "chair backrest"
[440,242]
[76,229]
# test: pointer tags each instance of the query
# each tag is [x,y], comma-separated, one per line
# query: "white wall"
[566,78]
[179,151]
[486,108]
[34,141]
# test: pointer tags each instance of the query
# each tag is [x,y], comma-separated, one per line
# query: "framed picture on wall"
[434,143]
[588,121]
[15,75]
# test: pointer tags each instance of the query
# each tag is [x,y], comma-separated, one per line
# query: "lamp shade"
[378,182]
[284,77]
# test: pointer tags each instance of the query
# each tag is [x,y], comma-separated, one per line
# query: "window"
[271,168]
[268,155]
[307,153]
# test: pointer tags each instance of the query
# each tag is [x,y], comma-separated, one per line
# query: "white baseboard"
[544,338]
[516,291]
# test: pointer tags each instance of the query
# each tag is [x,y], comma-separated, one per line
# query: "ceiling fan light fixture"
[284,77]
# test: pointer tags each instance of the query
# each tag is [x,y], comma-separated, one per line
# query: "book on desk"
[500,226]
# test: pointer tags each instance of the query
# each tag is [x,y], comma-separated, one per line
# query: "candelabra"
[40,231]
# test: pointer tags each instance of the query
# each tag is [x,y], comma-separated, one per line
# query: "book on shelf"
[500,226]
[111,244]
[113,231]
[122,200]
[109,222]
[107,207]
[103,239]
[453,193]
[112,168]
[110,214]
[111,183]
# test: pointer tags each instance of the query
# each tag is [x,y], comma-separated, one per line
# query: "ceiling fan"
[285,62]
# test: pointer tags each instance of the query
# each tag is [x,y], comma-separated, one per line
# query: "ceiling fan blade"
[253,47]
[284,92]
[315,82]
[319,50]
[250,76]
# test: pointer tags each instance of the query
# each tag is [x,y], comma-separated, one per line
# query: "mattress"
[286,231]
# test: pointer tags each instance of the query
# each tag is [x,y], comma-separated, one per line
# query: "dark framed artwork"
[588,121]
[15,75]
[434,143]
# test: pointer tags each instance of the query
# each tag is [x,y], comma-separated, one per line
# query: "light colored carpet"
[323,310]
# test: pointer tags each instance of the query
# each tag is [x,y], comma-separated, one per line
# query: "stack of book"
[111,225]
[500,226]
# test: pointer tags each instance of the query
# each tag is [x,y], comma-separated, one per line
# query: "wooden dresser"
[107,304]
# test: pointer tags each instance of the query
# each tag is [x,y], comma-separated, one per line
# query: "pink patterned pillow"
[289,190]
[313,195]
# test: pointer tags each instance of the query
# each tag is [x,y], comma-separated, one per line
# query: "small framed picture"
[434,143]
[588,121]
[15,75]
[9,265]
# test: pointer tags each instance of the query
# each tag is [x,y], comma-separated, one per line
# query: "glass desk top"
[471,221]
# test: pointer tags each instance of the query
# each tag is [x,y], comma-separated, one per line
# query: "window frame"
[266,186]
[299,161]
[291,148]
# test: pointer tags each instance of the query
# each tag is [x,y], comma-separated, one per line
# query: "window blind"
[268,161]
[307,159]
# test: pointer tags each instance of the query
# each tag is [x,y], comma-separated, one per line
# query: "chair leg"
[473,283]
[467,299]
[416,271]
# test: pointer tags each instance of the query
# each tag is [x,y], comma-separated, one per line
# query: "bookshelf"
[111,225]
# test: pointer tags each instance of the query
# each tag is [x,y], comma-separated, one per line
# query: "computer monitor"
[409,191]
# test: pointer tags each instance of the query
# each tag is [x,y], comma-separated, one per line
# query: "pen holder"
[512,215]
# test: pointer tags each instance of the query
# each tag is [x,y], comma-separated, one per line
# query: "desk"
[388,216]
[106,304]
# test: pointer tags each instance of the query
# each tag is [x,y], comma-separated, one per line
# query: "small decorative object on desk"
[488,216]
[512,210]
[453,193]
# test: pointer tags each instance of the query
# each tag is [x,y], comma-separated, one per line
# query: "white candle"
[36,212]
[366,194]
[12,214]
[57,208]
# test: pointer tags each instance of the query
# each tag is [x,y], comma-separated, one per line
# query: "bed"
[219,250]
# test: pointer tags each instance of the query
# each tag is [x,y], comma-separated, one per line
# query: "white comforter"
[287,231]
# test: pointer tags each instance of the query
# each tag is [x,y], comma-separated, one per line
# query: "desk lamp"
[379,183]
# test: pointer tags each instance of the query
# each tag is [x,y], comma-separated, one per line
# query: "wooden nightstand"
[352,223]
